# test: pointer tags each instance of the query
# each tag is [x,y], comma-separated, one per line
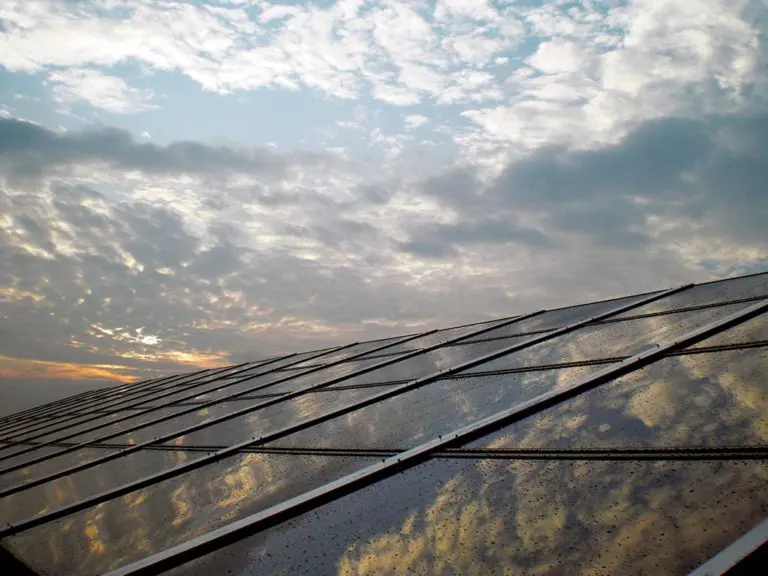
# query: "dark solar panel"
[626,436]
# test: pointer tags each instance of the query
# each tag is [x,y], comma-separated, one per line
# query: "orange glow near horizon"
[26,368]
[23,368]
[187,358]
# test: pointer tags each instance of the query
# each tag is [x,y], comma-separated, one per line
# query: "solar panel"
[625,436]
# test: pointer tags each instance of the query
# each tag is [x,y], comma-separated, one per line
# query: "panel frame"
[729,561]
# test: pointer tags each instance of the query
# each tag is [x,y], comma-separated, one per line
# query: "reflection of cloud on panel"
[528,517]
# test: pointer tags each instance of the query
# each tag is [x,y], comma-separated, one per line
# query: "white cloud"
[558,56]
[397,50]
[102,91]
[602,73]
[413,121]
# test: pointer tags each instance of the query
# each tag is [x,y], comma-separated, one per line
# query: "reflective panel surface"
[418,415]
[123,530]
[79,485]
[512,517]
[560,317]
[668,404]
[611,340]
[650,473]
[272,418]
[722,291]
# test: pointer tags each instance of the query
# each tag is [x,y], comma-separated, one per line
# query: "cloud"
[396,51]
[598,149]
[31,150]
[670,174]
[102,91]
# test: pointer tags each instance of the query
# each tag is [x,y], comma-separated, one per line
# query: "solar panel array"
[621,437]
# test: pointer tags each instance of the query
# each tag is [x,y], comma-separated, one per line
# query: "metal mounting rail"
[216,539]
[676,453]
[147,411]
[180,469]
[33,425]
[246,410]
[681,453]
[727,560]
[72,419]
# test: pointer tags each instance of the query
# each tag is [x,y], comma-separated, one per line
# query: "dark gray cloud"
[29,150]
[442,240]
[713,171]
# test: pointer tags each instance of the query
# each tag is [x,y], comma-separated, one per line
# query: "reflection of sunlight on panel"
[92,536]
[181,508]
[251,473]
[667,404]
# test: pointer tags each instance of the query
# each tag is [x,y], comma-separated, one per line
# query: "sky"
[193,184]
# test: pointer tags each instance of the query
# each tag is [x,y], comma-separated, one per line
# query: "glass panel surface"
[126,529]
[155,431]
[295,382]
[63,429]
[94,435]
[512,517]
[430,362]
[753,330]
[74,487]
[716,399]
[419,415]
[272,418]
[558,318]
[36,470]
[611,340]
[707,294]
[188,391]
[437,338]
[346,352]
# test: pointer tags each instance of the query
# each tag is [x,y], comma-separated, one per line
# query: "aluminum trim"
[737,551]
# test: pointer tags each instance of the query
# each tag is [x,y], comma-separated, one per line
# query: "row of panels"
[669,403]
[596,342]
[545,321]
[372,413]
[702,294]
